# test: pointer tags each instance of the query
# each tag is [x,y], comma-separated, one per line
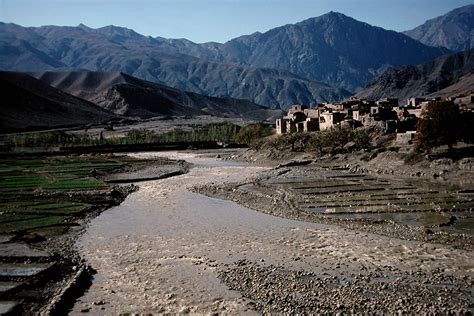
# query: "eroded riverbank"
[166,249]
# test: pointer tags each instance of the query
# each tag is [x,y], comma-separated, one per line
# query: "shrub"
[318,142]
[361,138]
[413,158]
[140,136]
[296,141]
[252,134]
[336,138]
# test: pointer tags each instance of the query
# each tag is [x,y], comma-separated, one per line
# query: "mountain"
[332,48]
[278,68]
[115,49]
[464,86]
[125,95]
[445,76]
[28,103]
[454,30]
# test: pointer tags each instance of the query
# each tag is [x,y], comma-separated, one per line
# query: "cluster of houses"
[385,113]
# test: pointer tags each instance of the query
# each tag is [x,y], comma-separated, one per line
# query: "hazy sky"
[217,20]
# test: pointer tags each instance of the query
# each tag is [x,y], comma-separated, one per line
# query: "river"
[160,251]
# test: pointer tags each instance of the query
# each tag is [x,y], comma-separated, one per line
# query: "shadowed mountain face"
[115,49]
[31,103]
[454,30]
[332,48]
[465,85]
[125,95]
[445,76]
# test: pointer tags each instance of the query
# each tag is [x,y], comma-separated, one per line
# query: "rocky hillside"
[454,30]
[115,49]
[444,76]
[28,103]
[465,85]
[125,95]
[332,48]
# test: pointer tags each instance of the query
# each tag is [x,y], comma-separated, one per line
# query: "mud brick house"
[300,118]
[328,119]
[385,113]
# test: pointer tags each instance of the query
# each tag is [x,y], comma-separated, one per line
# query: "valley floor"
[166,249]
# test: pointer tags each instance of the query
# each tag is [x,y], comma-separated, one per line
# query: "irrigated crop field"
[41,193]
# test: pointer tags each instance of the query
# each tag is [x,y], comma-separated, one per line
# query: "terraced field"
[40,199]
[37,193]
[338,193]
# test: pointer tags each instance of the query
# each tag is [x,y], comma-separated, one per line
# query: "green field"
[26,185]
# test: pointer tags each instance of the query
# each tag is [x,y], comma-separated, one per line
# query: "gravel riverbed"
[166,249]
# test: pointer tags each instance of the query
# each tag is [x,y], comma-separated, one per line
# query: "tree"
[337,137]
[318,142]
[140,136]
[253,133]
[466,131]
[438,126]
[361,138]
[297,141]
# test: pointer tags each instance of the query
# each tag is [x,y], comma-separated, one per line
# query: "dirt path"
[166,249]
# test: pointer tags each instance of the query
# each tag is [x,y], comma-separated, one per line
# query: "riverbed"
[166,249]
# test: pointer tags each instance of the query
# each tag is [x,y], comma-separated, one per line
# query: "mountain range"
[317,60]
[454,30]
[80,75]
[445,76]
[114,49]
[128,96]
[28,103]
[66,99]
[332,48]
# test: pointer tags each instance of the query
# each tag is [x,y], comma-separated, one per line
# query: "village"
[386,113]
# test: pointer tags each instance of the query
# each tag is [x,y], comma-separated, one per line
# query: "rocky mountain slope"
[28,103]
[332,48]
[278,68]
[465,85]
[444,76]
[125,95]
[115,49]
[454,30]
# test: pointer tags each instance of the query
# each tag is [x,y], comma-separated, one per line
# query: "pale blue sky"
[217,20]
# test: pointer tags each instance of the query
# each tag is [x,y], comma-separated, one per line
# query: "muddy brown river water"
[161,250]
